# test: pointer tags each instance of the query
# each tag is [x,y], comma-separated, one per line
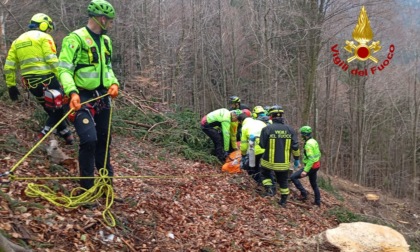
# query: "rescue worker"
[217,125]
[85,71]
[279,141]
[259,113]
[235,128]
[311,157]
[34,53]
[235,103]
[251,130]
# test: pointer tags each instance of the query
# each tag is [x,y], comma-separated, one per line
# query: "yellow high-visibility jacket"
[251,127]
[34,52]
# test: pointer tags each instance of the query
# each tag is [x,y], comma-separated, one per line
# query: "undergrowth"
[343,215]
[325,183]
[177,132]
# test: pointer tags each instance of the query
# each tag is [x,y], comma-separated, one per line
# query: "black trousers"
[51,82]
[312,175]
[282,178]
[92,124]
[217,137]
[255,172]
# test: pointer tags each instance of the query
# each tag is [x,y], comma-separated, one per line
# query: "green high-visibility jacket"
[251,127]
[312,154]
[224,118]
[83,64]
[34,52]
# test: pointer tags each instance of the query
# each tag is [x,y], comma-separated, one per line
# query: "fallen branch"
[8,246]
[156,124]
[136,124]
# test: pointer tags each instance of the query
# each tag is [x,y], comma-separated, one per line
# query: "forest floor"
[171,204]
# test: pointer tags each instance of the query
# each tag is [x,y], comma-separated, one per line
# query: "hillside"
[178,205]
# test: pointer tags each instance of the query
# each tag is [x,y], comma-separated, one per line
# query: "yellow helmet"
[42,22]
[257,110]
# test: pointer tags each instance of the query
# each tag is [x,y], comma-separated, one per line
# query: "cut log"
[371,197]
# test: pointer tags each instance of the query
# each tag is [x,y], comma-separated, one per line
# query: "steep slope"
[170,204]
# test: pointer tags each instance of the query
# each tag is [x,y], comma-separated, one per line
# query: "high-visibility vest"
[83,64]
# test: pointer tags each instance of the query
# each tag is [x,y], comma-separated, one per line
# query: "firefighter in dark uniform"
[279,141]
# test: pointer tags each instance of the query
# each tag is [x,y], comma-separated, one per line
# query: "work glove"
[13,93]
[75,102]
[113,90]
[296,164]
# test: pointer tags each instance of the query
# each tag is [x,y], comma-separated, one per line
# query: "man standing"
[86,73]
[217,125]
[34,52]
[279,141]
[311,157]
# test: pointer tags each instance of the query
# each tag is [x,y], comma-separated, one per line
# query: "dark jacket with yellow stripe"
[279,140]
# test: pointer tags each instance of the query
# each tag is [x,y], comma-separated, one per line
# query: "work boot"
[270,191]
[283,201]
[117,197]
[39,136]
[318,204]
[69,140]
[89,205]
[68,137]
[302,197]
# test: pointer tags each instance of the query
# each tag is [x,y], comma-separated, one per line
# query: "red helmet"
[247,112]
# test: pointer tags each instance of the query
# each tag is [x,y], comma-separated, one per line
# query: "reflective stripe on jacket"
[223,117]
[233,132]
[83,64]
[279,141]
[311,154]
[34,52]
[254,127]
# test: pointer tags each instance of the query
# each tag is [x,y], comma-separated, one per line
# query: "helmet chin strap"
[103,29]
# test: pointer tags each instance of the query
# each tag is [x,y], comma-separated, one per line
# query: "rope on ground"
[79,196]
[101,188]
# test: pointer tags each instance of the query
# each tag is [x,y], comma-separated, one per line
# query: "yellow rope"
[49,133]
[122,177]
[102,185]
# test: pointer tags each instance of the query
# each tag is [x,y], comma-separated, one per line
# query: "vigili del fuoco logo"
[362,49]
